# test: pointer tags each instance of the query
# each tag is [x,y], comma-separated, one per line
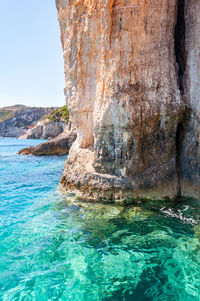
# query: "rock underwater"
[132,72]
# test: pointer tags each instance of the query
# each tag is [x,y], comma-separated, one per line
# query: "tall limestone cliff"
[132,74]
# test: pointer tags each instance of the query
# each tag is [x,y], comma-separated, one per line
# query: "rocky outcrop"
[44,129]
[57,146]
[132,74]
[50,126]
[27,151]
[16,120]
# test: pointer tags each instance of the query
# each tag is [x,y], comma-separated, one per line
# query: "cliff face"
[131,72]
[190,134]
[44,130]
[50,125]
[15,121]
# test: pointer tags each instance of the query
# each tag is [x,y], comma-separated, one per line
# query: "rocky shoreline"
[58,146]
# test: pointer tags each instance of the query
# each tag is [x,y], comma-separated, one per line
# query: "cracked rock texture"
[125,98]
[190,153]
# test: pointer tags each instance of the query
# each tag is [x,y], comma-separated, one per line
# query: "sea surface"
[52,247]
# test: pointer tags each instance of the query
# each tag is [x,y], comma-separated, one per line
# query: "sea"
[55,247]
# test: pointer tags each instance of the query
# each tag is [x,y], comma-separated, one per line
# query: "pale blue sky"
[31,62]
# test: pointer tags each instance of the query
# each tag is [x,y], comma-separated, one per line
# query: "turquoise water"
[53,248]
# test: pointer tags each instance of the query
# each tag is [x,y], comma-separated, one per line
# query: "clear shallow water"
[53,248]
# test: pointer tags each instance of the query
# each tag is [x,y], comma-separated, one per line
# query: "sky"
[31,61]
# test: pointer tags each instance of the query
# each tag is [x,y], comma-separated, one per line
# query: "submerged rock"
[136,212]
[95,211]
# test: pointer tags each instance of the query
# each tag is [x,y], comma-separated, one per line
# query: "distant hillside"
[58,114]
[16,120]
[49,126]
[9,112]
[14,107]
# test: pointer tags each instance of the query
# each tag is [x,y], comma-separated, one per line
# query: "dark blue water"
[53,247]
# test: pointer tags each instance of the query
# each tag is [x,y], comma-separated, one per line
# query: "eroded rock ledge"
[132,86]
[58,146]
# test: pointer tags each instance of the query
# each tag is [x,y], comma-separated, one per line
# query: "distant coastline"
[32,122]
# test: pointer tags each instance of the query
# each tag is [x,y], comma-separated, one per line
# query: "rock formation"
[44,130]
[58,146]
[50,126]
[189,144]
[16,120]
[132,88]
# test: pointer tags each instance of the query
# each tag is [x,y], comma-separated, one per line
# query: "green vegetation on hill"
[57,114]
[6,114]
[61,114]
[9,112]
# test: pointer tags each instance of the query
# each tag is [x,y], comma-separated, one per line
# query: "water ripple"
[55,248]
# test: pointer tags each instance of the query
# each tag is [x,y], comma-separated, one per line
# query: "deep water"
[55,248]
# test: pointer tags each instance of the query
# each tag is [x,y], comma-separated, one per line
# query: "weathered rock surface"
[57,146]
[127,95]
[44,130]
[16,120]
[190,135]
